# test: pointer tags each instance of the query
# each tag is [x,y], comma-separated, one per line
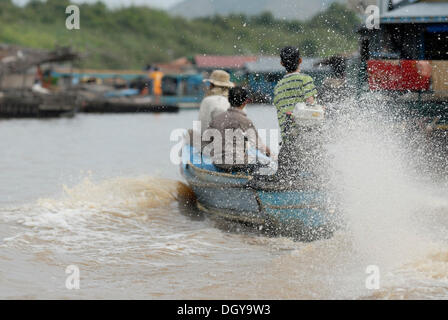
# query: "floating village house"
[408,54]
[20,95]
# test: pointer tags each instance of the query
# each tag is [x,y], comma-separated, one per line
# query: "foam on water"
[118,209]
[120,196]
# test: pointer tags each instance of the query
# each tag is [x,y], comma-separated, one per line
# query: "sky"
[163,4]
[118,3]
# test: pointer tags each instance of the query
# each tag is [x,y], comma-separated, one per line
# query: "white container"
[308,115]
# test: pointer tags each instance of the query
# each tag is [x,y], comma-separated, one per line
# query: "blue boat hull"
[300,213]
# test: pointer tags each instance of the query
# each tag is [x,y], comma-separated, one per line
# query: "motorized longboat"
[300,210]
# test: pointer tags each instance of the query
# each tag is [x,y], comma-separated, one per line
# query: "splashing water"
[381,195]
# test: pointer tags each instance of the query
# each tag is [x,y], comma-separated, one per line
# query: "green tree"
[265,19]
[134,36]
[309,47]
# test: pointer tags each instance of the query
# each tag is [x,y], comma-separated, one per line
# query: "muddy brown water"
[99,192]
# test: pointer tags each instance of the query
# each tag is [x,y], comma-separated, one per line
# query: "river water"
[99,192]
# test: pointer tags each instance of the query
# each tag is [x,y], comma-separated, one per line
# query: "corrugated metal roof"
[222,62]
[422,12]
[265,65]
[309,64]
[271,64]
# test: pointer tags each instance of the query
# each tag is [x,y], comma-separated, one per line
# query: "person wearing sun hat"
[216,100]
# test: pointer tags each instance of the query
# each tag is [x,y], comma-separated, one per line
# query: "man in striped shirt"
[295,156]
[295,87]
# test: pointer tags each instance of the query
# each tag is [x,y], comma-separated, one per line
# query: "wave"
[98,206]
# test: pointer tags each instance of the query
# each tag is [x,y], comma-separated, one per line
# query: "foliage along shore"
[134,36]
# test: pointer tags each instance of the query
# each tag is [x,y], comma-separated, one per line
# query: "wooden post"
[23,82]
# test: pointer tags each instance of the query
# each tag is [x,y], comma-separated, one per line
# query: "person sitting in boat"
[216,100]
[295,155]
[237,135]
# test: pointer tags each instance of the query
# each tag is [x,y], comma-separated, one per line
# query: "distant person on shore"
[216,100]
[238,135]
[156,76]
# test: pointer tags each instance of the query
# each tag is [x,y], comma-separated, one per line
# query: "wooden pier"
[125,105]
[26,104]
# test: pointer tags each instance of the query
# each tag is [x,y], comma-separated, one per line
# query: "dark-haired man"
[237,134]
[295,87]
